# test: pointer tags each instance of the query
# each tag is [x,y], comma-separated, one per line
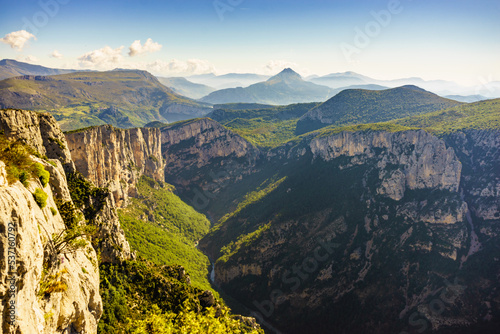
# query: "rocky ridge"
[57,292]
[423,161]
[117,158]
[366,197]
[202,152]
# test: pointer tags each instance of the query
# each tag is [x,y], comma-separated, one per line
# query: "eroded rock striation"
[409,159]
[39,131]
[202,158]
[385,222]
[117,158]
[57,286]
[56,291]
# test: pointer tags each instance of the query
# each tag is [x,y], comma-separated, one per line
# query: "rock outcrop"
[39,131]
[55,291]
[117,158]
[479,152]
[57,287]
[409,159]
[202,157]
[354,205]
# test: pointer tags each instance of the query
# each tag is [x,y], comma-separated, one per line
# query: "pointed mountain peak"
[286,75]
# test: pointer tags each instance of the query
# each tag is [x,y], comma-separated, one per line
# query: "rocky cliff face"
[375,222]
[57,286]
[479,152]
[410,159]
[117,158]
[202,157]
[54,291]
[40,131]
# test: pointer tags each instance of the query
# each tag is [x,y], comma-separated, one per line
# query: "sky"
[452,40]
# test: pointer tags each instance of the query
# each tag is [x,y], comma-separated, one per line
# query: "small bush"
[24,178]
[54,211]
[42,174]
[52,283]
[40,197]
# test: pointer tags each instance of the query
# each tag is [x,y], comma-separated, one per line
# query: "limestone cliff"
[55,291]
[117,158]
[379,221]
[202,157]
[40,131]
[405,160]
[479,152]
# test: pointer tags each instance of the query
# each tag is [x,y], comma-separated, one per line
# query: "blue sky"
[440,39]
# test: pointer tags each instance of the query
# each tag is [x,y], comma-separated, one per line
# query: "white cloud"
[103,58]
[179,67]
[149,46]
[56,54]
[27,59]
[17,39]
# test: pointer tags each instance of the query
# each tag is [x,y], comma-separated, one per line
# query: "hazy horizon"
[448,40]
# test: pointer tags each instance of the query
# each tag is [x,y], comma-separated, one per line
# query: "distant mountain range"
[12,68]
[338,80]
[124,98]
[356,106]
[287,87]
[440,87]
[230,80]
[186,88]
[467,98]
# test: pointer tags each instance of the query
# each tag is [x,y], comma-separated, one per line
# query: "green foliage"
[266,127]
[483,115]
[252,198]
[40,197]
[188,321]
[22,175]
[53,210]
[68,212]
[72,239]
[387,127]
[141,297]
[165,230]
[264,133]
[19,164]
[87,197]
[359,106]
[41,173]
[76,100]
[16,157]
[52,283]
[242,242]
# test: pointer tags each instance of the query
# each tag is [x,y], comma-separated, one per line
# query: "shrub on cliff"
[40,197]
[42,174]
[19,165]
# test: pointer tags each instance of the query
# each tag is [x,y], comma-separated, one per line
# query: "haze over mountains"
[12,68]
[186,88]
[284,88]
[373,197]
[125,98]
